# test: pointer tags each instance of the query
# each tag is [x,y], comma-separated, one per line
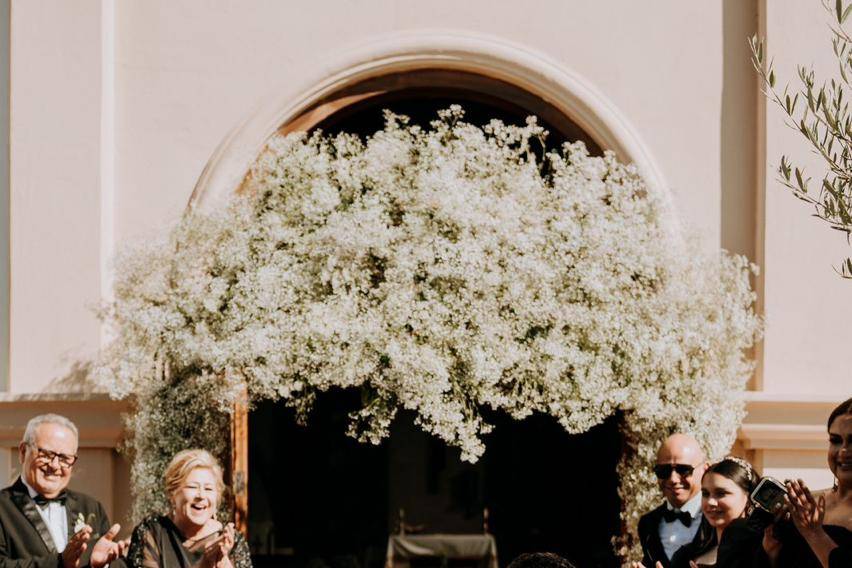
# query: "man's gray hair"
[36,421]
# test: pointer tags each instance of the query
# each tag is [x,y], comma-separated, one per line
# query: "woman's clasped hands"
[216,552]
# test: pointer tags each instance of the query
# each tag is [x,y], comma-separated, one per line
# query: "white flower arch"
[139,307]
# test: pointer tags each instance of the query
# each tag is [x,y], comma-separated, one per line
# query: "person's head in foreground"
[540,560]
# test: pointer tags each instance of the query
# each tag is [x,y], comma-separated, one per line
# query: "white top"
[54,516]
[675,534]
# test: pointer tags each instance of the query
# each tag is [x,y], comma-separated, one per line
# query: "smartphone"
[208,540]
[769,494]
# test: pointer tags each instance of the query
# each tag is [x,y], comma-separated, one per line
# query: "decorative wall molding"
[786,421]
[773,421]
[98,418]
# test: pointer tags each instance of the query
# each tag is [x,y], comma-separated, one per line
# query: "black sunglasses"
[664,470]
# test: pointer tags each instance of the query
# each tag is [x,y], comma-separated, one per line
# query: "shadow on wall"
[76,381]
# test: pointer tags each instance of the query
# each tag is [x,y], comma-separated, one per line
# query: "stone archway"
[514,64]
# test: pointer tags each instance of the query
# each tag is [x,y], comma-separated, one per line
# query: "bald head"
[681,480]
[680,447]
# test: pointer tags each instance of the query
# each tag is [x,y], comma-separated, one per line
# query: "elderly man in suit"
[678,523]
[43,525]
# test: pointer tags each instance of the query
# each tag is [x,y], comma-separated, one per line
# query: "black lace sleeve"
[144,551]
[240,556]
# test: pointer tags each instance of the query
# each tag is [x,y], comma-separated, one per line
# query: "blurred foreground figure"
[540,560]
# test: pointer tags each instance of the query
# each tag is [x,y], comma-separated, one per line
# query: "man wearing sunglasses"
[678,522]
[44,525]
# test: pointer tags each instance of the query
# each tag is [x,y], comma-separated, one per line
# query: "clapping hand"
[106,549]
[640,565]
[806,512]
[77,544]
[216,552]
[808,515]
[771,545]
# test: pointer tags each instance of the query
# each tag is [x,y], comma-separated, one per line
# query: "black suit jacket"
[25,541]
[652,547]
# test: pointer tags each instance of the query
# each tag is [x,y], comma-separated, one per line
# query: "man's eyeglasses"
[664,470]
[46,456]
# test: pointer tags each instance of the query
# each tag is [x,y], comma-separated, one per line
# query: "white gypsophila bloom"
[441,271]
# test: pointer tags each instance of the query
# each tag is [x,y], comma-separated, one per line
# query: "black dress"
[742,547]
[795,552]
[157,543]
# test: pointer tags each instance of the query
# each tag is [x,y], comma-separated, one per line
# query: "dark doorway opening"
[420,94]
[319,499]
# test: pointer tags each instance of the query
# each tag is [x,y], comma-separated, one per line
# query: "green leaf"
[839,9]
[785,168]
[772,78]
[846,13]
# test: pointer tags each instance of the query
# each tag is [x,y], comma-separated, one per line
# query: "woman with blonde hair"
[190,536]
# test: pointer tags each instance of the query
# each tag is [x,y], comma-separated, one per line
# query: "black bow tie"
[41,500]
[671,516]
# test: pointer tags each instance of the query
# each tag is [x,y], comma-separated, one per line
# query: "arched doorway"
[320,499]
[419,94]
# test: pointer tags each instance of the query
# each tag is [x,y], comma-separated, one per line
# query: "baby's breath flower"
[441,271]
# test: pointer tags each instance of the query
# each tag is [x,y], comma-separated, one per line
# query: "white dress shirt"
[675,534]
[54,517]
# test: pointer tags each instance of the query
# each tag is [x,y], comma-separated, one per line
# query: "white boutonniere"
[79,523]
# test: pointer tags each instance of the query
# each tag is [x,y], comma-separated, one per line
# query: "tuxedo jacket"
[652,547]
[25,541]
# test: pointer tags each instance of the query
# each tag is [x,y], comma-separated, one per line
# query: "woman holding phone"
[189,536]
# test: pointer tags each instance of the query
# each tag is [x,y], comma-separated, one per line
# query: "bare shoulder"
[834,504]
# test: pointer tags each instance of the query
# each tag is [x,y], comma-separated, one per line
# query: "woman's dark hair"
[844,408]
[737,470]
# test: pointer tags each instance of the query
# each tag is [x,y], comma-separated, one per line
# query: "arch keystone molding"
[486,55]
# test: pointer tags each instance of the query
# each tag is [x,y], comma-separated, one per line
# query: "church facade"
[122,113]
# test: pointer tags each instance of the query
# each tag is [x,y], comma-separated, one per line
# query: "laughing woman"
[190,536]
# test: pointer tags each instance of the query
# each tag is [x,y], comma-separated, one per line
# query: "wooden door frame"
[239,470]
